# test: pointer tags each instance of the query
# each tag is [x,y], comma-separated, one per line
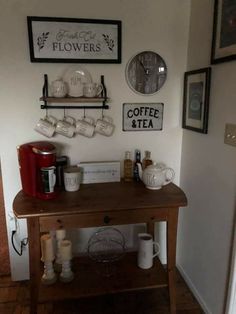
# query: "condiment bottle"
[147,159]
[128,167]
[136,162]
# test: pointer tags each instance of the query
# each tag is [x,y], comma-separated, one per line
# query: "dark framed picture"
[224,31]
[71,40]
[196,100]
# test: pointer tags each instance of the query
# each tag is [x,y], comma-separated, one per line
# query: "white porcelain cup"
[72,178]
[59,88]
[85,127]
[46,126]
[146,250]
[92,89]
[105,126]
[66,126]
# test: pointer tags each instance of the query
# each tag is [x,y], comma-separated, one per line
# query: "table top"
[92,198]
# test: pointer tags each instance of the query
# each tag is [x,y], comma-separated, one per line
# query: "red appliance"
[34,159]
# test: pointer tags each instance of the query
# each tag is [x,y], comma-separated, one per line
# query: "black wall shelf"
[50,100]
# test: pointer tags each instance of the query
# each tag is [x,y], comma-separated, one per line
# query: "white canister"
[72,178]
[146,253]
[59,88]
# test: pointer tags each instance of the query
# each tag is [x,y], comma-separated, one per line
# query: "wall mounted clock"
[146,72]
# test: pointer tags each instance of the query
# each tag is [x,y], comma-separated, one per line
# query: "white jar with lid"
[59,88]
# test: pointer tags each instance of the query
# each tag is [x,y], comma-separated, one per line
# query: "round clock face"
[146,73]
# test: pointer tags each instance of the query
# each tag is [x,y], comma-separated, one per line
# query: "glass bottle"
[128,167]
[136,162]
[147,159]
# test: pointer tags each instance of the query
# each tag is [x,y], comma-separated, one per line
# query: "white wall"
[208,175]
[161,26]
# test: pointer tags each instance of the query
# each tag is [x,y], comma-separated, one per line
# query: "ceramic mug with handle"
[105,126]
[147,250]
[46,126]
[85,126]
[92,89]
[66,126]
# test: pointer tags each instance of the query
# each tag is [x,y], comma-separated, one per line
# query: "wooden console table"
[102,204]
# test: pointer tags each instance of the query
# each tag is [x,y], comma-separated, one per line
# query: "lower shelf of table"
[92,279]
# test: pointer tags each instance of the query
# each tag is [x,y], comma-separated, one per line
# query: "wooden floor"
[14,299]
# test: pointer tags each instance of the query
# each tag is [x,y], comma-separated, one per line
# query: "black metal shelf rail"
[46,106]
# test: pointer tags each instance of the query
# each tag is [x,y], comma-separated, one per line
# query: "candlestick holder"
[66,274]
[60,235]
[49,277]
[65,249]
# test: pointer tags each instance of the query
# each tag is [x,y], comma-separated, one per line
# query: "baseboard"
[194,290]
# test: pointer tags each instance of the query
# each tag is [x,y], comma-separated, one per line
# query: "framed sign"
[224,31]
[196,100]
[142,117]
[74,40]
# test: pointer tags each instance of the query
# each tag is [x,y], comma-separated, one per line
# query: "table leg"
[34,261]
[171,256]
[150,228]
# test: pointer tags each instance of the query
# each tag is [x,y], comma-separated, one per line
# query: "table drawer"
[102,219]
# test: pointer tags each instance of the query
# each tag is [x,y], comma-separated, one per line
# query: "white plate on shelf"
[75,79]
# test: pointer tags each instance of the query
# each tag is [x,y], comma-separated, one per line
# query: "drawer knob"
[107,219]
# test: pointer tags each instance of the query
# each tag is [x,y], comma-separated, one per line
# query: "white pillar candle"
[47,248]
[65,250]
[60,234]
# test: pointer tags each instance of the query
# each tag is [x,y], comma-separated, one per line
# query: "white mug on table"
[72,178]
[146,253]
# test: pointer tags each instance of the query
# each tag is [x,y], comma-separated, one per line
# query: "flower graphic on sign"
[109,42]
[41,40]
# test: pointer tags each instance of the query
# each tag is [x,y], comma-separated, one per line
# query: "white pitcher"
[146,250]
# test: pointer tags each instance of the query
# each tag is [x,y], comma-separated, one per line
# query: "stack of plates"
[75,79]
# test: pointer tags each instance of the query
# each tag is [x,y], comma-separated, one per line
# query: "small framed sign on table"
[56,39]
[142,116]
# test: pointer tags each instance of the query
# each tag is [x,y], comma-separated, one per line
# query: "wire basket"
[106,246]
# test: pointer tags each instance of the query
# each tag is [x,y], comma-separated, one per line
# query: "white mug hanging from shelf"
[85,126]
[105,126]
[46,126]
[59,88]
[92,89]
[66,126]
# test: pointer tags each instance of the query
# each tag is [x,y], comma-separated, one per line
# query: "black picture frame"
[224,32]
[196,100]
[74,40]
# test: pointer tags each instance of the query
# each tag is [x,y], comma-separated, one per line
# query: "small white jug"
[146,253]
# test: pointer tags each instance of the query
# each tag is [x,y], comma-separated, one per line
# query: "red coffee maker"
[37,161]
